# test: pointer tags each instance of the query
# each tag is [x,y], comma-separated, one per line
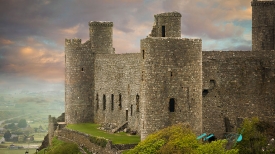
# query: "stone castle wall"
[237,85]
[79,81]
[117,89]
[171,83]
[263,19]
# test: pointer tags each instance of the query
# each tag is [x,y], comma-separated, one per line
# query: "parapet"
[75,42]
[169,14]
[262,3]
[101,23]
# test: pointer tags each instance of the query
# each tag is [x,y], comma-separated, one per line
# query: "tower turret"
[101,36]
[263,25]
[167,25]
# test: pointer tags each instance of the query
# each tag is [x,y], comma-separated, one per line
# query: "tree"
[7,135]
[256,136]
[179,139]
[22,123]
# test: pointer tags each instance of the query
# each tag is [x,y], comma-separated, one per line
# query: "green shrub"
[256,135]
[98,141]
[61,147]
[178,139]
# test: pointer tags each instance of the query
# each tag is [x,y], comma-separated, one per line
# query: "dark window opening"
[97,102]
[126,115]
[171,73]
[143,52]
[75,113]
[120,102]
[142,75]
[104,102]
[131,110]
[82,69]
[205,92]
[163,31]
[112,102]
[137,102]
[172,105]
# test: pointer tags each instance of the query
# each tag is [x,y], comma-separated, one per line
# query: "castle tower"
[171,80]
[79,81]
[101,36]
[263,25]
[167,25]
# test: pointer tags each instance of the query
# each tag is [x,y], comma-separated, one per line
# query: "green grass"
[19,151]
[117,138]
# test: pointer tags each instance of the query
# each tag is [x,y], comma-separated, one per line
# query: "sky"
[32,32]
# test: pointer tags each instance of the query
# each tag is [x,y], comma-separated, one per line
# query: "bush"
[256,136]
[60,147]
[178,139]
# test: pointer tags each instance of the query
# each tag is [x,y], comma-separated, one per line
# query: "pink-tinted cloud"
[5,41]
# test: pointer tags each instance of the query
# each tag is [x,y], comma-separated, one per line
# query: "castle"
[171,80]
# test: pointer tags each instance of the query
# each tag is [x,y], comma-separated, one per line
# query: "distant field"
[117,138]
[19,151]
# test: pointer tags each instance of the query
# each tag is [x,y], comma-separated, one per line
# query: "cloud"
[33,32]
[5,41]
[71,31]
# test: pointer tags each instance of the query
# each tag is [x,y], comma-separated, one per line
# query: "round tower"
[101,37]
[167,25]
[79,81]
[263,20]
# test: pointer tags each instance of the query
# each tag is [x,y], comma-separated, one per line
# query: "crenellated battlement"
[74,42]
[169,14]
[101,23]
[262,3]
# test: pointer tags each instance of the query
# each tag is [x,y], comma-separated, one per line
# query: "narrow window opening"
[126,115]
[112,102]
[143,54]
[142,75]
[205,92]
[97,102]
[172,105]
[163,31]
[75,113]
[171,73]
[82,69]
[104,102]
[120,102]
[137,102]
[131,110]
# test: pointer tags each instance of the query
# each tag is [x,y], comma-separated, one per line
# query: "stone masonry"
[171,80]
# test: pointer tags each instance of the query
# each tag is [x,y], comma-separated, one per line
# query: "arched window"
[172,105]
[104,102]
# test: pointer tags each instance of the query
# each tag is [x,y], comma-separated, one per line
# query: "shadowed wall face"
[263,18]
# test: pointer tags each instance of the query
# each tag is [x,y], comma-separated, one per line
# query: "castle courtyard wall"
[118,75]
